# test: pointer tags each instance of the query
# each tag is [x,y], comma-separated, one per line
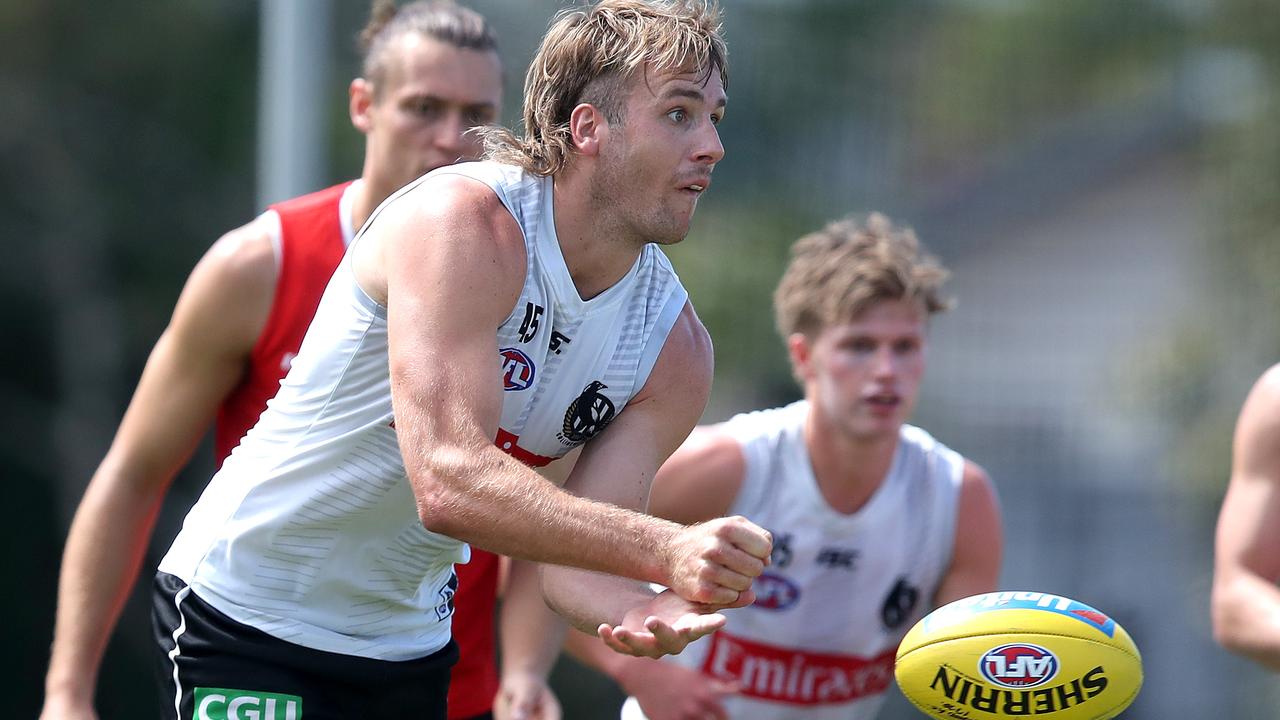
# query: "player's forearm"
[492,501]
[588,599]
[1246,618]
[531,634]
[104,550]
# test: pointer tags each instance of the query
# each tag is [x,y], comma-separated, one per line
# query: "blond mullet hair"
[589,54]
[840,271]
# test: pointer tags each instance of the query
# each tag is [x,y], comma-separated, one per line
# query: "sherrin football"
[1018,655]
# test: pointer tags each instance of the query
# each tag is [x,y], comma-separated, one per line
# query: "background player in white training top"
[874,521]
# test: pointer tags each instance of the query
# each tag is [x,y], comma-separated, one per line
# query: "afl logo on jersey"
[1019,665]
[587,415]
[774,592]
[517,370]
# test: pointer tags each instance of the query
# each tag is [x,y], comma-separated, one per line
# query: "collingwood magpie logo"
[444,595]
[587,415]
[899,604]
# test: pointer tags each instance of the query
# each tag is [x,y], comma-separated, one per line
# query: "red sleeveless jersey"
[311,246]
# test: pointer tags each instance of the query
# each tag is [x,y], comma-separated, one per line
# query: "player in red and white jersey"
[430,73]
[874,521]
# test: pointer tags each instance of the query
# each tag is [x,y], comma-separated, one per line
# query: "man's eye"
[425,109]
[678,115]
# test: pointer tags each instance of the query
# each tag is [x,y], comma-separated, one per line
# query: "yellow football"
[1018,655]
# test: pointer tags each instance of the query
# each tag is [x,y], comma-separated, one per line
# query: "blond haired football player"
[489,318]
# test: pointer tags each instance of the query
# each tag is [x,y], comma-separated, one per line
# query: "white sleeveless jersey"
[842,590]
[310,531]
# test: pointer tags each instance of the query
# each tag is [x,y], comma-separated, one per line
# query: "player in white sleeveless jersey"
[488,318]
[874,521]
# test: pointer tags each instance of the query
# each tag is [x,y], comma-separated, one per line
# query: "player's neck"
[368,195]
[596,251]
[848,469]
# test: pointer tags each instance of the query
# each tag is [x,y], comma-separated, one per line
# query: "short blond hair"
[840,271]
[589,54]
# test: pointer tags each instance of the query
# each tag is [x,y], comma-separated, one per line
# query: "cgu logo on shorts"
[223,704]
[1019,665]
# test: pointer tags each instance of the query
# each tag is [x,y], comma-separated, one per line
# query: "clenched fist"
[713,563]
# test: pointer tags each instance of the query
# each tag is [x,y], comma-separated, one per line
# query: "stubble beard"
[650,222]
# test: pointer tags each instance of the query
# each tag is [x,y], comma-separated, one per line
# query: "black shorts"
[214,668]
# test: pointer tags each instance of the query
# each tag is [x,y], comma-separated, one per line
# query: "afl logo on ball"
[517,370]
[774,592]
[1019,666]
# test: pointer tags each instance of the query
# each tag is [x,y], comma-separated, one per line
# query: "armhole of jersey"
[949,466]
[667,318]
[275,228]
[497,188]
[346,212]
[756,460]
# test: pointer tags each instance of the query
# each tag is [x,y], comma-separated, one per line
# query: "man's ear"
[588,128]
[360,101]
[801,354]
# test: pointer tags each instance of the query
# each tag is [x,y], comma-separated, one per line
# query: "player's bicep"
[1249,528]
[453,265]
[979,540]
[1249,523]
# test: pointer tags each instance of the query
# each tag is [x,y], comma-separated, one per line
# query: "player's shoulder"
[1262,407]
[451,200]
[443,229]
[974,474]
[228,295]
[246,254]
[1259,422]
[714,447]
[701,479]
[690,337]
[920,441]
[1267,386]
[682,373]
[916,439]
